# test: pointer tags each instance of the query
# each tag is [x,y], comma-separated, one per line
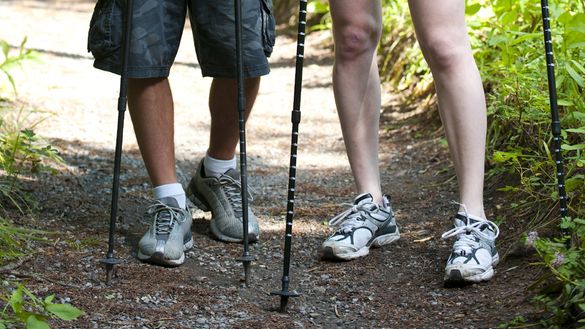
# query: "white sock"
[174,190]
[215,167]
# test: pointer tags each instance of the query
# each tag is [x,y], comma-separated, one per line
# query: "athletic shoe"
[474,253]
[223,197]
[366,224]
[169,235]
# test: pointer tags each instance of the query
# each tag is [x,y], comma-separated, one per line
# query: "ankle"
[216,167]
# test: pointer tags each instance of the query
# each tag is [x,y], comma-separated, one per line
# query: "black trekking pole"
[110,261]
[285,293]
[246,258]
[556,123]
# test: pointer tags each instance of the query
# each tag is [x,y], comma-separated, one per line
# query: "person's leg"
[442,35]
[370,221]
[225,130]
[356,84]
[216,185]
[151,109]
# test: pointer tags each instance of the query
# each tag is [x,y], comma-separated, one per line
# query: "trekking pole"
[246,258]
[110,261]
[556,123]
[295,119]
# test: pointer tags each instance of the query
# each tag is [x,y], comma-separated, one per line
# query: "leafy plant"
[563,294]
[15,241]
[10,61]
[21,152]
[23,307]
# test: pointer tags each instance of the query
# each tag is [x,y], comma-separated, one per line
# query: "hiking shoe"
[169,235]
[364,225]
[474,253]
[223,197]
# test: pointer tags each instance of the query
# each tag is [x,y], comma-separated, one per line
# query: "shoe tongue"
[461,220]
[170,201]
[233,174]
[162,232]
[363,199]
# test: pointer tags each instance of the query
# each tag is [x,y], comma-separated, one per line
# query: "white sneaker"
[364,225]
[474,253]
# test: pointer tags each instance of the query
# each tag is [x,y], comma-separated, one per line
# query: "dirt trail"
[399,286]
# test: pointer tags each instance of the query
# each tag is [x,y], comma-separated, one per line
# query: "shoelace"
[353,216]
[465,240]
[163,217]
[233,192]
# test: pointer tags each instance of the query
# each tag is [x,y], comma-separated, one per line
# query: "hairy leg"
[225,131]
[151,109]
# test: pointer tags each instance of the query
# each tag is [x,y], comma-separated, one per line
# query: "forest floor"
[398,286]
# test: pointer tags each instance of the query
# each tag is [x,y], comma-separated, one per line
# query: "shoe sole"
[225,238]
[159,258]
[456,275]
[201,204]
[382,240]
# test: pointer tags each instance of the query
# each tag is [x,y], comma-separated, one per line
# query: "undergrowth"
[22,153]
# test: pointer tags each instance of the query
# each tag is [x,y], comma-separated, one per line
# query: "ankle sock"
[174,190]
[216,167]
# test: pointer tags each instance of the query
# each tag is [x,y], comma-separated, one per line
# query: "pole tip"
[283,304]
[110,262]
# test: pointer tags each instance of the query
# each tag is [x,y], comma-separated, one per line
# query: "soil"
[398,286]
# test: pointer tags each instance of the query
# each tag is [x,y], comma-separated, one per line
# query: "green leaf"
[317,7]
[2,326]
[568,147]
[472,9]
[578,79]
[574,182]
[49,299]
[578,65]
[33,322]
[66,312]
[565,102]
[576,45]
[16,300]
[579,116]
[525,37]
[576,130]
[5,48]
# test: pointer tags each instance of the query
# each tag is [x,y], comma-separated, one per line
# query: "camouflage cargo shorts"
[157,28]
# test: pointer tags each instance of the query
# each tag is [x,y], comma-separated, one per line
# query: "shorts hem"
[134,72]
[229,72]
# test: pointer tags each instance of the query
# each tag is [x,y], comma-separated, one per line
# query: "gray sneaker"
[364,225]
[222,196]
[169,235]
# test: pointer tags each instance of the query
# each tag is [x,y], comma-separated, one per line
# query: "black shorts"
[157,28]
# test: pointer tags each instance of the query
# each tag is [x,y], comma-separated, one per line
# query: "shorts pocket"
[268,27]
[103,39]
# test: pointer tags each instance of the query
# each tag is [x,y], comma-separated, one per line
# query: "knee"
[444,53]
[355,40]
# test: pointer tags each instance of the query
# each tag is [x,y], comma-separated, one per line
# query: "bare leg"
[442,34]
[151,109]
[225,131]
[356,85]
